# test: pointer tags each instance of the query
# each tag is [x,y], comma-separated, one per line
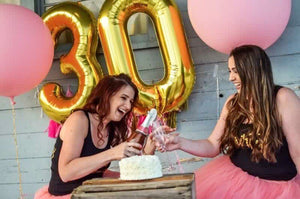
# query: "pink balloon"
[225,24]
[26,51]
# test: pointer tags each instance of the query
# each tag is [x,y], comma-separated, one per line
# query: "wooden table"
[168,186]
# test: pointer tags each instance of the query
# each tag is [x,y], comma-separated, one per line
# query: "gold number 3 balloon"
[173,90]
[81,59]
[166,95]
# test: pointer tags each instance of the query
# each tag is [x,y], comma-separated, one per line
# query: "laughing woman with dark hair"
[92,137]
[258,131]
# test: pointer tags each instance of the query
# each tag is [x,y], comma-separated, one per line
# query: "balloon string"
[16,146]
[216,75]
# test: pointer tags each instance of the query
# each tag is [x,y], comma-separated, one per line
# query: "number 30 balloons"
[166,96]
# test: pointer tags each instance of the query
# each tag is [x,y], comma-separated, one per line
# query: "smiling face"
[120,103]
[234,77]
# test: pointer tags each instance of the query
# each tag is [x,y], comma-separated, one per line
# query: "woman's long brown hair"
[99,103]
[255,104]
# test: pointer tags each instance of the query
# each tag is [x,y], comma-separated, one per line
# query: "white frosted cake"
[140,167]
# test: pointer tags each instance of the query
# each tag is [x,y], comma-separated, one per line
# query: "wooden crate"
[168,186]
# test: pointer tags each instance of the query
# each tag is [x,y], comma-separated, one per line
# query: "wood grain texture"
[177,186]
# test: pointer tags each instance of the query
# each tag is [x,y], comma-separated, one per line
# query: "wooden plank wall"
[196,122]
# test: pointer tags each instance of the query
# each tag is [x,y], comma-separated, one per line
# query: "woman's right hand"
[171,142]
[127,149]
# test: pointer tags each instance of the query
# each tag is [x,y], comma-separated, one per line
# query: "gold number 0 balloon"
[173,90]
[81,59]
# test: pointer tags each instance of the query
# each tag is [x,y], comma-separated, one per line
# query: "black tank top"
[56,186]
[283,169]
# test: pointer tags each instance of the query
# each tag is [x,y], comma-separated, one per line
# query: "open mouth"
[121,111]
[237,85]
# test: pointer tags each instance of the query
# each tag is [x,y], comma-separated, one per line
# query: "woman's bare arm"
[288,104]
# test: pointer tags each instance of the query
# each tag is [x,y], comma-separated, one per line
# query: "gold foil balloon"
[81,59]
[173,90]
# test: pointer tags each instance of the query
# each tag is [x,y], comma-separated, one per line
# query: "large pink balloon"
[26,50]
[225,24]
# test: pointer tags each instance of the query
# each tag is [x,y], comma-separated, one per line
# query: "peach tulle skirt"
[44,194]
[221,179]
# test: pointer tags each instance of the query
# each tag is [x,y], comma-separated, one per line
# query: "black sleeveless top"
[56,186]
[283,169]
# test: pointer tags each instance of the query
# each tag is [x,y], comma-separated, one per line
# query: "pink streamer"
[53,129]
[69,92]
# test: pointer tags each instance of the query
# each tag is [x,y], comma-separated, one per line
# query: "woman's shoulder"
[78,115]
[77,122]
[284,94]
[287,100]
[224,111]
[230,97]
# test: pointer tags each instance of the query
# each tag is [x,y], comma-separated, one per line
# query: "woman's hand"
[172,142]
[151,144]
[168,142]
[127,149]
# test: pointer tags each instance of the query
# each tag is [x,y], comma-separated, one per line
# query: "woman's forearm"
[83,166]
[201,148]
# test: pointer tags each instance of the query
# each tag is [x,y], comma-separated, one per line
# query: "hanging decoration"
[172,91]
[226,24]
[54,127]
[81,59]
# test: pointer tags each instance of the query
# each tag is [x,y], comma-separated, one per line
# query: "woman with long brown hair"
[92,137]
[258,131]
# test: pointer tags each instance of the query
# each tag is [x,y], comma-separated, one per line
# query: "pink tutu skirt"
[44,194]
[221,179]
